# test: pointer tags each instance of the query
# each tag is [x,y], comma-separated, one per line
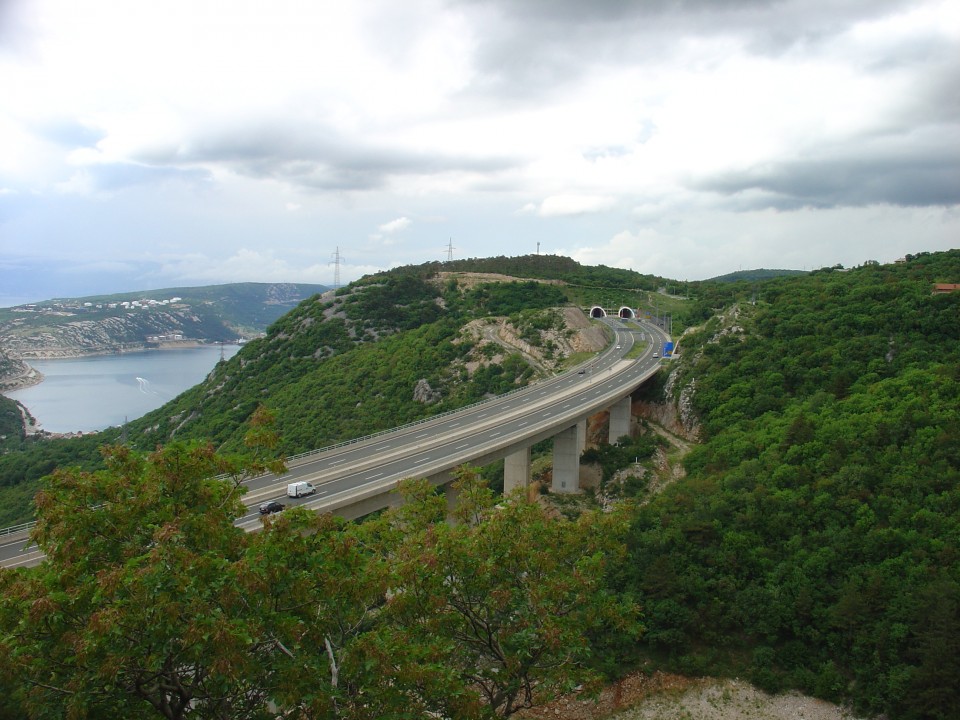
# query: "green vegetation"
[816,542]
[11,423]
[754,275]
[153,604]
[624,452]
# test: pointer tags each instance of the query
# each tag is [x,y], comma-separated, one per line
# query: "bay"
[94,393]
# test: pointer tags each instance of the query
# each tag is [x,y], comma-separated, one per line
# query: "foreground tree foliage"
[507,595]
[151,603]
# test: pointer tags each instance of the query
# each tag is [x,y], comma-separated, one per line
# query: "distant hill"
[65,327]
[754,275]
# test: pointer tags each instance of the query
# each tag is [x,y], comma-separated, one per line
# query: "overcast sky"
[149,143]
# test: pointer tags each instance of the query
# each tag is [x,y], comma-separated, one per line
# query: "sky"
[148,144]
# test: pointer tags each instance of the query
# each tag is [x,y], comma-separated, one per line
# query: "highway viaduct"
[358,477]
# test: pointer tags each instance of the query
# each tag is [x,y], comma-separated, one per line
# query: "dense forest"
[813,544]
[815,541]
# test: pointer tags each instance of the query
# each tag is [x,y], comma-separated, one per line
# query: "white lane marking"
[495,434]
[523,424]
[461,447]
[28,557]
[371,477]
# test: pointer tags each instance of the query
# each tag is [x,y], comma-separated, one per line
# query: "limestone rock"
[423,393]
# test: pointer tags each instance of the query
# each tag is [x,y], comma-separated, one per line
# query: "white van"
[299,489]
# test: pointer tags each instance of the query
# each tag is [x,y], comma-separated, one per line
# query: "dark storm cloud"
[928,175]
[321,160]
[536,47]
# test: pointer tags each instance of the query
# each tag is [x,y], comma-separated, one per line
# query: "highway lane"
[516,424]
[368,465]
[371,451]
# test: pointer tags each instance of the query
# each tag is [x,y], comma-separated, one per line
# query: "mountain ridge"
[101,324]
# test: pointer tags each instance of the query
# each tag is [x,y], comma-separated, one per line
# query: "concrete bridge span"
[553,409]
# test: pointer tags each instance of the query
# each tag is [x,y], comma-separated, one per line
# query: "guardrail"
[13,530]
[416,423]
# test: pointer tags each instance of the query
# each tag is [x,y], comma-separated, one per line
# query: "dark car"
[581,372]
[271,507]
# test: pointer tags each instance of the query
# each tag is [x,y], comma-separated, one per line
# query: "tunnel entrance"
[628,313]
[597,312]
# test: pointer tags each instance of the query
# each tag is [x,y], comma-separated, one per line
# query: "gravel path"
[731,700]
[662,696]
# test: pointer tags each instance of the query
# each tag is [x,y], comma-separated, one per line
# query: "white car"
[299,489]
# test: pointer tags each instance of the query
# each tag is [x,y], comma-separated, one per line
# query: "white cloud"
[575,205]
[394,226]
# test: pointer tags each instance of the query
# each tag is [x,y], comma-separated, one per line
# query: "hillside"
[754,275]
[110,323]
[384,351]
[815,542]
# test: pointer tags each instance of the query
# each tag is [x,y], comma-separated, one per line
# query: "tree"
[152,603]
[134,603]
[507,595]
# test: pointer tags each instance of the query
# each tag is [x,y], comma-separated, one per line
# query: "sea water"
[94,393]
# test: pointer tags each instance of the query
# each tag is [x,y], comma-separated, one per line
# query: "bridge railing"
[14,529]
[415,423]
[412,424]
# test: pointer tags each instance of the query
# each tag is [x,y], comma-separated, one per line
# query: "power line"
[337,257]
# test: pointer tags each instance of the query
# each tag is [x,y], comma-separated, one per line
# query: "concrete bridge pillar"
[582,435]
[620,419]
[516,470]
[566,461]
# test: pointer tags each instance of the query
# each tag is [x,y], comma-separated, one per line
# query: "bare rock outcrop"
[423,393]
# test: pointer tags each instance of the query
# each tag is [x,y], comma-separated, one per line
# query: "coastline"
[31,376]
[69,354]
[12,383]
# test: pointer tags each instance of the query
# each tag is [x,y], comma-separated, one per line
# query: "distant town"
[72,306]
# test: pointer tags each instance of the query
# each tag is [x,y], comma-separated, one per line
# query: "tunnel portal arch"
[628,313]
[597,312]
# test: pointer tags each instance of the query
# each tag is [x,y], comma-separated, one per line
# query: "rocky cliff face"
[103,335]
[16,374]
[675,411]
